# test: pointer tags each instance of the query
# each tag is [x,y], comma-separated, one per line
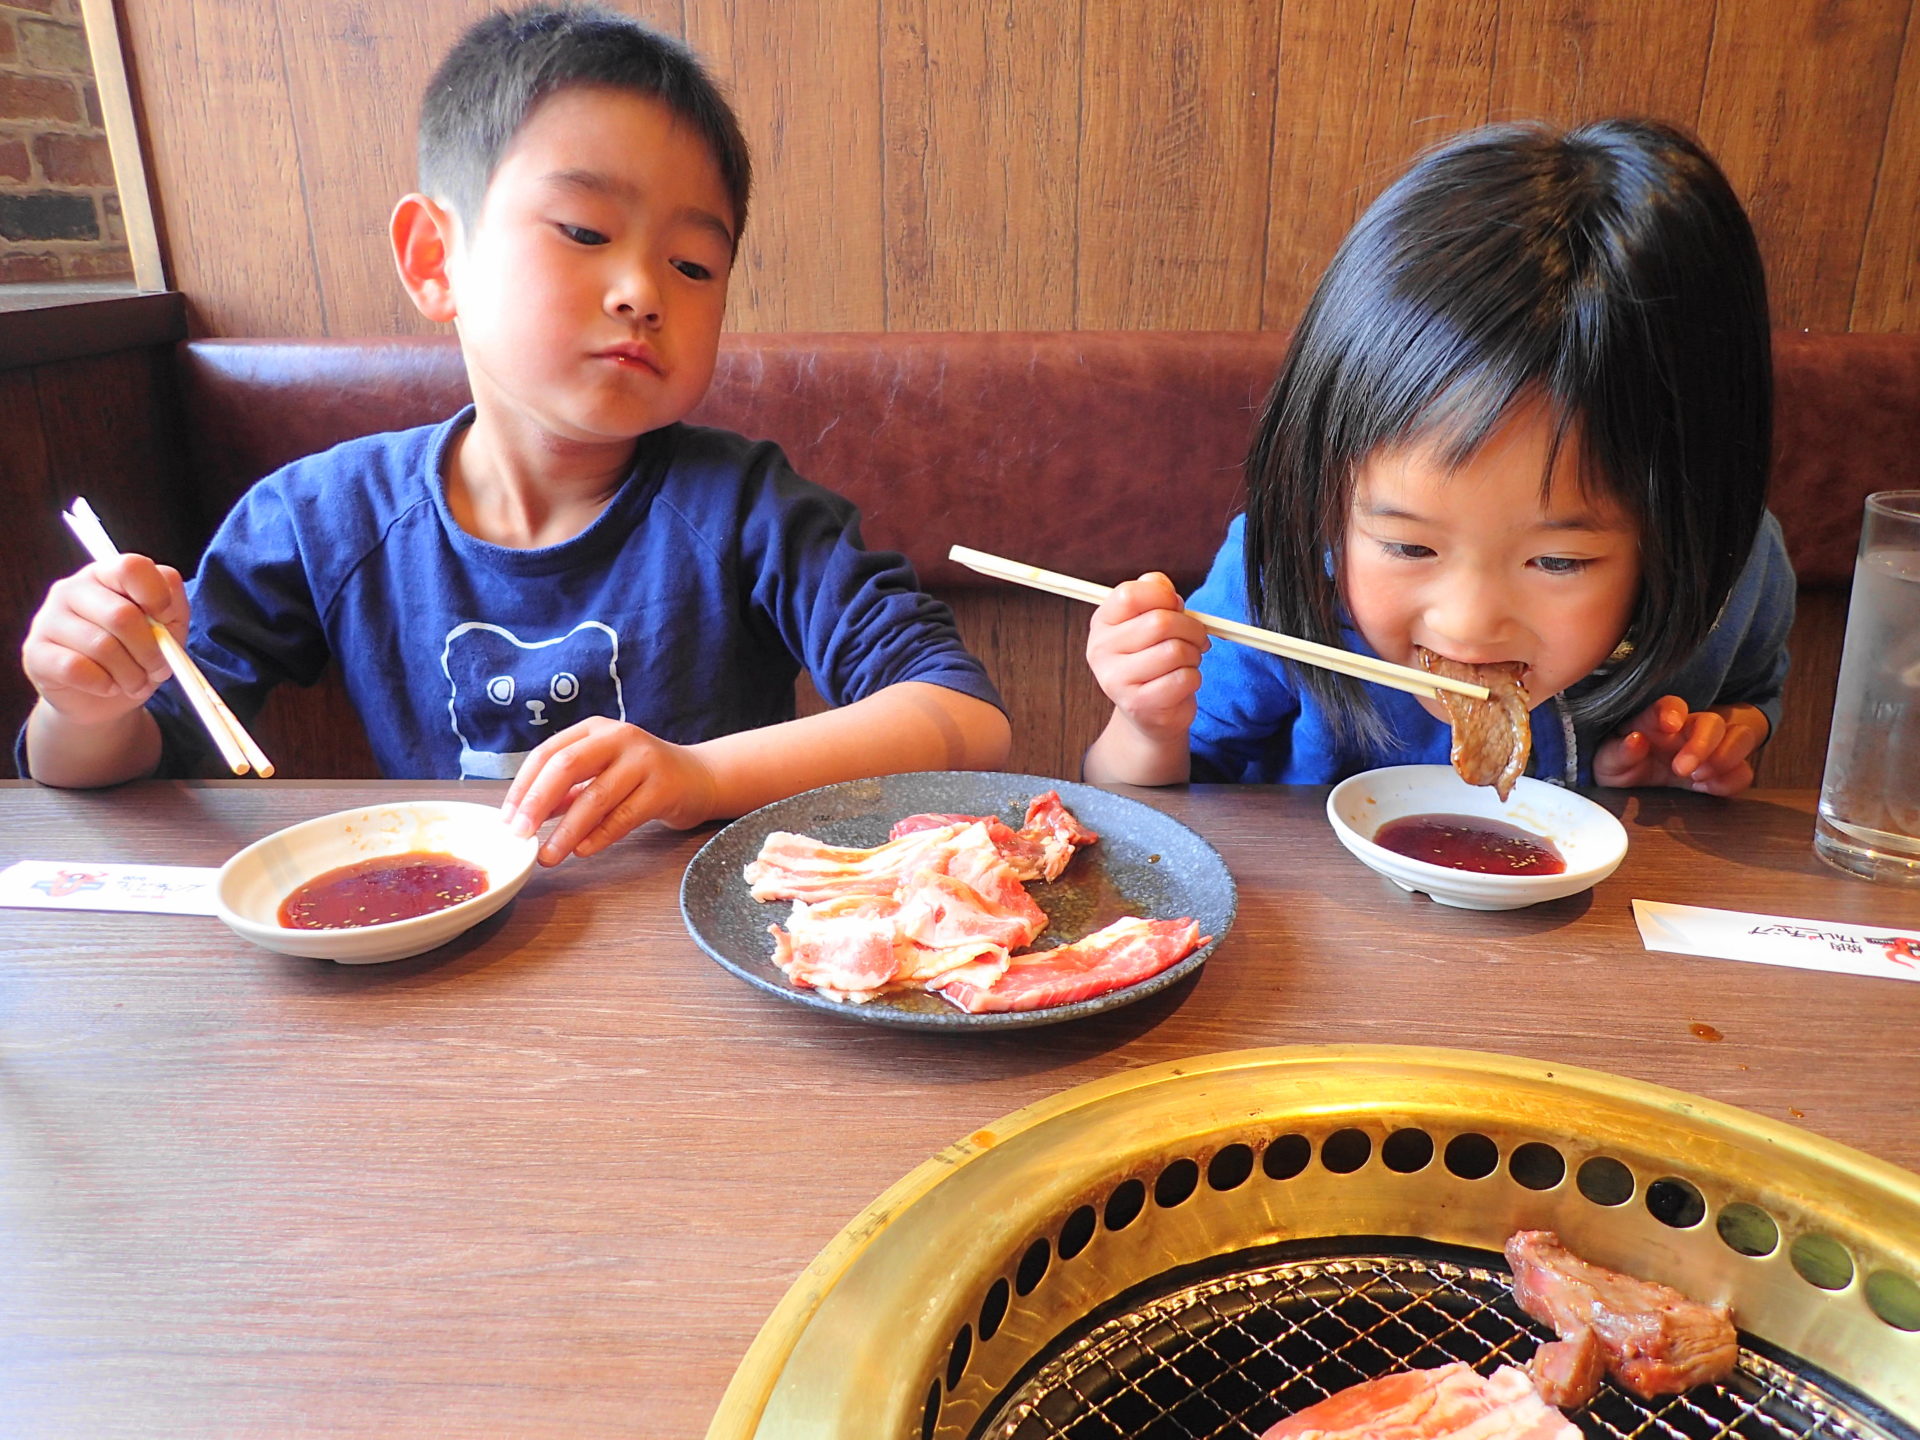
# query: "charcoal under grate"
[1226,1357]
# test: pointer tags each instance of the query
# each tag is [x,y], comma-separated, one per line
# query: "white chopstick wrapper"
[63,885]
[1307,652]
[1880,951]
[237,747]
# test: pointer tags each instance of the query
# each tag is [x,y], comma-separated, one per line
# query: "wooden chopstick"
[1307,652]
[237,747]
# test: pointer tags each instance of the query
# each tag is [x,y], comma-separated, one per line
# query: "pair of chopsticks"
[237,747]
[1307,652]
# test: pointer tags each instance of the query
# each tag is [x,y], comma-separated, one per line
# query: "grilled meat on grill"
[1446,1401]
[1657,1341]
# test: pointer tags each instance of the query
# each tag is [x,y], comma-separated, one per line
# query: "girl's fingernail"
[521,825]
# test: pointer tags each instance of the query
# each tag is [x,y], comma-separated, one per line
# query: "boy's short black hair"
[1608,269]
[506,64]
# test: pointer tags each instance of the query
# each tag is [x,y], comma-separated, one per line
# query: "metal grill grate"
[1224,1358]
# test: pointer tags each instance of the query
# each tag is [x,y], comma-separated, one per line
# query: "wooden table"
[549,1180]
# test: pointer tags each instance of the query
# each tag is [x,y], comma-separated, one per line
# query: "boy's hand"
[1666,744]
[90,651]
[1144,649]
[604,777]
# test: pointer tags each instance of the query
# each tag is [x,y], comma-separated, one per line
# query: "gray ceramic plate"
[1146,863]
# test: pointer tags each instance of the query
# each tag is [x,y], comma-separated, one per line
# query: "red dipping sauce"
[1468,842]
[378,891]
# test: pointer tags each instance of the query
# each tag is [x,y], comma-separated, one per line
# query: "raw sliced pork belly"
[1449,1402]
[1038,850]
[1124,953]
[798,867]
[1656,1340]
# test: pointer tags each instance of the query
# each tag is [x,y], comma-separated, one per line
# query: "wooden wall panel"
[1409,73]
[1575,60]
[1176,110]
[1887,297]
[1044,164]
[210,86]
[805,79]
[981,117]
[1796,105]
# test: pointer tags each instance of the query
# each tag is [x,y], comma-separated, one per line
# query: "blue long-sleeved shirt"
[714,576]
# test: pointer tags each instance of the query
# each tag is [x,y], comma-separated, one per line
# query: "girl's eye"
[1400,550]
[1561,564]
[581,235]
[693,270]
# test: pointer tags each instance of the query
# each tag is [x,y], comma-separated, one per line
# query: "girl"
[1526,417]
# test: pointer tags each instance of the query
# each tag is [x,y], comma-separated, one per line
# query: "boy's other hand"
[1144,650]
[1667,744]
[90,651]
[603,777]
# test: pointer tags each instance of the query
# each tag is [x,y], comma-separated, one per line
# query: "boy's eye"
[1561,564]
[581,235]
[1401,550]
[693,270]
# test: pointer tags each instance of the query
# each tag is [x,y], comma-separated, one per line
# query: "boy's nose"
[635,298]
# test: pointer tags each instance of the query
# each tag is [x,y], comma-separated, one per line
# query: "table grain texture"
[549,1180]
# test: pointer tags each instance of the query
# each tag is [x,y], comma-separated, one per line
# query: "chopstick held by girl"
[1526,418]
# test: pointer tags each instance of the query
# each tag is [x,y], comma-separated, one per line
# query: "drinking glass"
[1869,823]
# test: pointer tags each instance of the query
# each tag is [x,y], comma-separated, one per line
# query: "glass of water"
[1869,821]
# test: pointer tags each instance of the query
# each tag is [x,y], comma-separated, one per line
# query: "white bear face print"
[507,694]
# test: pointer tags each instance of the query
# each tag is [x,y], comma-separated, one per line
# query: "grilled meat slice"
[1492,738]
[1657,1341]
[1568,1373]
[1447,1402]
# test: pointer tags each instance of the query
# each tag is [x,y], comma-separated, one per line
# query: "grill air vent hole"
[1176,1184]
[1231,1168]
[1124,1205]
[1537,1166]
[1407,1151]
[1472,1156]
[994,1308]
[1747,1229]
[1605,1181]
[1345,1151]
[1822,1262]
[931,1417]
[1286,1157]
[1895,1299]
[1077,1232]
[957,1361]
[1033,1266]
[1676,1203]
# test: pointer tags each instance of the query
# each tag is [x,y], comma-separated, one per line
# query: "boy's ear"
[424,233]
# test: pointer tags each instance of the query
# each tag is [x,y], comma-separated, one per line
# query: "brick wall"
[59,215]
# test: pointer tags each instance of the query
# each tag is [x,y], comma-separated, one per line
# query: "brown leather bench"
[1099,454]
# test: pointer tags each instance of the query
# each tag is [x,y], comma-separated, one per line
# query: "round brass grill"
[1225,1357]
[935,1304]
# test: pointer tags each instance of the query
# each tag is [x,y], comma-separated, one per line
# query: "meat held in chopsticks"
[1655,1340]
[1492,738]
[941,907]
[1445,1401]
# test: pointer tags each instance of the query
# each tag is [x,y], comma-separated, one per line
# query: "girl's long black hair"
[1610,269]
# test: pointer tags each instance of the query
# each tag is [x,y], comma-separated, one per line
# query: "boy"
[562,584]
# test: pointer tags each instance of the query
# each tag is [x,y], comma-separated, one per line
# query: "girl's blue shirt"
[1255,727]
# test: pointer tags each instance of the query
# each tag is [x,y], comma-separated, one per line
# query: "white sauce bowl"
[252,885]
[1589,838]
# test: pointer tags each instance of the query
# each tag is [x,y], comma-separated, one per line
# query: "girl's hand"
[1144,649]
[604,777]
[1666,744]
[90,651]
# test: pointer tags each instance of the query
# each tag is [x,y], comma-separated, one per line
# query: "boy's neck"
[524,489]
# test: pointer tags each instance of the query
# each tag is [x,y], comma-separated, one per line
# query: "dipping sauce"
[377,891]
[1468,842]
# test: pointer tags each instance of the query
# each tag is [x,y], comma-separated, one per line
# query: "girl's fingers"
[1702,736]
[1738,745]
